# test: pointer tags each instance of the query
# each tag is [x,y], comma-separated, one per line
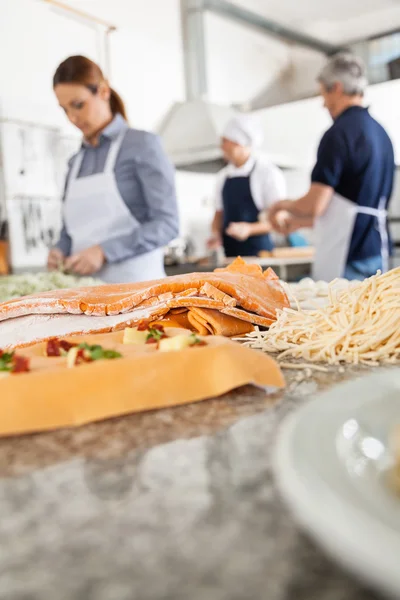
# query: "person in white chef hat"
[246,187]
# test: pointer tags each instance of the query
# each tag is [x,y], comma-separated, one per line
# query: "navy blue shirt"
[356,158]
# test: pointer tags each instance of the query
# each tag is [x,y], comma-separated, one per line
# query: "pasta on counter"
[359,326]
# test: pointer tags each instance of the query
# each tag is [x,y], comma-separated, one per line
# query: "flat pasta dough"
[240,291]
[207,321]
[144,378]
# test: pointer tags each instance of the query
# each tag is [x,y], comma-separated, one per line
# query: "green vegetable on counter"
[15,286]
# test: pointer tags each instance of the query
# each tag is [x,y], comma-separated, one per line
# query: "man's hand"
[239,231]
[87,262]
[55,259]
[283,208]
[283,222]
[308,207]
[287,223]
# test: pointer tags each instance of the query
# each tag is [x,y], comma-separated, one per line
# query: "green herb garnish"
[97,352]
[155,334]
[194,340]
[6,361]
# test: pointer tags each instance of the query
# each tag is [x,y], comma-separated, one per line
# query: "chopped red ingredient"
[147,326]
[54,347]
[66,346]
[20,364]
[197,344]
[83,356]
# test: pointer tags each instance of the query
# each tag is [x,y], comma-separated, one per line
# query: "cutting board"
[4,263]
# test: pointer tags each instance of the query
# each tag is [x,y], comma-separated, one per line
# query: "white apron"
[333,232]
[95,212]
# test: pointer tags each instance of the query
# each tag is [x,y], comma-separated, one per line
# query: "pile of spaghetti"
[361,325]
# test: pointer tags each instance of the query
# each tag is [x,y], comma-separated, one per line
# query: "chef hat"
[244,130]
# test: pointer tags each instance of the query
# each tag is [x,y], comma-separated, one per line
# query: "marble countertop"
[171,504]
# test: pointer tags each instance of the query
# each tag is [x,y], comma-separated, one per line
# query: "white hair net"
[243,130]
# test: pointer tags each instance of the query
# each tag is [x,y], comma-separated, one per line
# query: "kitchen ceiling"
[336,21]
[314,10]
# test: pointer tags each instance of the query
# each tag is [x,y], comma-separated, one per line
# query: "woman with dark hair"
[119,202]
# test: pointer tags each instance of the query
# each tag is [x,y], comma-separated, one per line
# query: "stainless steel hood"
[297,81]
[191,132]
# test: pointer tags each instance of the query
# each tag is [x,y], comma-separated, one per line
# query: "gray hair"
[347,69]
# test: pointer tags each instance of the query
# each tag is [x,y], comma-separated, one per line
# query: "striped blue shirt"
[146,182]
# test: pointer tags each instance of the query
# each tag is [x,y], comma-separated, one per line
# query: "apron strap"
[109,164]
[381,215]
[75,168]
[76,165]
[374,212]
[383,230]
[113,152]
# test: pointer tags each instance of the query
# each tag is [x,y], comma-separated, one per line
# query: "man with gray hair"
[351,183]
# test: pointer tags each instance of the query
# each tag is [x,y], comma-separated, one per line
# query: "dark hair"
[79,69]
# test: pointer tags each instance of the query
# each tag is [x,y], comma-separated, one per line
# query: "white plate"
[331,463]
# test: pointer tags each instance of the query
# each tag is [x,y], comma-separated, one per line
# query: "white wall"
[195,199]
[384,102]
[240,60]
[146,69]
[34,40]
[146,61]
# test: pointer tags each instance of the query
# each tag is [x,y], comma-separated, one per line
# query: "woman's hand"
[239,231]
[214,242]
[55,259]
[87,262]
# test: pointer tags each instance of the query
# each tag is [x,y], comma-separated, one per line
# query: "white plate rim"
[355,539]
